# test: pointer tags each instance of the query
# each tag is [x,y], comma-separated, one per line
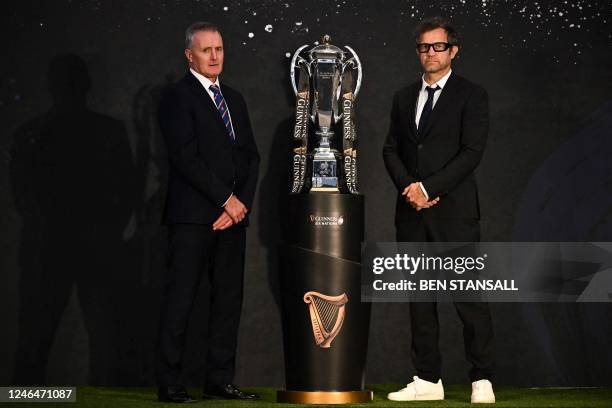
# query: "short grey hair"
[198,26]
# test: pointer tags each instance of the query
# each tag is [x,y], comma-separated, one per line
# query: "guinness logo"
[326,220]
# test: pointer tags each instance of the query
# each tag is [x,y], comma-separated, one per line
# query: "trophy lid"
[326,49]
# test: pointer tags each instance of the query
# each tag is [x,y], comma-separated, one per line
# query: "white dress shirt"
[206,83]
[422,99]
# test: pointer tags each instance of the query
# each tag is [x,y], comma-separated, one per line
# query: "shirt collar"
[206,83]
[441,82]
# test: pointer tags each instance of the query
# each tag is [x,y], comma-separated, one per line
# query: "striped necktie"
[223,111]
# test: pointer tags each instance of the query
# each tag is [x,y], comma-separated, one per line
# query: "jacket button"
[419,146]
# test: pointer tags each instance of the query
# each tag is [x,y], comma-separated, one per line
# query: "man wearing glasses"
[436,139]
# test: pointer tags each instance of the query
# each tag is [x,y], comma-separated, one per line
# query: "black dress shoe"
[173,393]
[227,391]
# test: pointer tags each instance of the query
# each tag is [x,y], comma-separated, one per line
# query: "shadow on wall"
[273,191]
[152,164]
[569,198]
[148,243]
[75,185]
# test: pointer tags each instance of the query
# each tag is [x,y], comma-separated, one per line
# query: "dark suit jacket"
[444,155]
[205,166]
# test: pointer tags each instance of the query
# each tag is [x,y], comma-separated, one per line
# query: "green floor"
[456,396]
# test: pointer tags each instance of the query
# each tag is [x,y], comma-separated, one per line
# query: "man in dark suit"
[436,139]
[213,168]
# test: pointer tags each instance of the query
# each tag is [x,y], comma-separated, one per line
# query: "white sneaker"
[482,392]
[419,390]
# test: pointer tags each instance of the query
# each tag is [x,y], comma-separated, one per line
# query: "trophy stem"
[325,135]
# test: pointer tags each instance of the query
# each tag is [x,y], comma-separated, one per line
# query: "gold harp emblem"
[326,315]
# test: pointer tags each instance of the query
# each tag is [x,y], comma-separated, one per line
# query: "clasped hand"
[233,212]
[416,198]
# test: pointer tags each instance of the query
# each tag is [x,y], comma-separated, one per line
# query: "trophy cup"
[325,324]
[326,73]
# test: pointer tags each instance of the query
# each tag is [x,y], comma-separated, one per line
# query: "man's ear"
[188,54]
[454,50]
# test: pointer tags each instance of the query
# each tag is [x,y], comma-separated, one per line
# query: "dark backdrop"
[82,175]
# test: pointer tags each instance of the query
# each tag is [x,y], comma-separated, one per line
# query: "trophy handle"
[357,64]
[296,55]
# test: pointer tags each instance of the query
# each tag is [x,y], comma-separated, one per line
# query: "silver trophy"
[327,73]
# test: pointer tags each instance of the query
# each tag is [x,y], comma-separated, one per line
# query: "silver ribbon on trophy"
[325,92]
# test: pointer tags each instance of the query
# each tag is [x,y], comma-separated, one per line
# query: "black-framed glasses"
[438,47]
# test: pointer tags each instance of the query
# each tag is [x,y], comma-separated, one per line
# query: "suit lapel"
[445,99]
[204,97]
[412,101]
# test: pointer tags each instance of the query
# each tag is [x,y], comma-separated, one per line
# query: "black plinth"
[322,255]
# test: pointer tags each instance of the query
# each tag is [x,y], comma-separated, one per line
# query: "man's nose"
[431,51]
[214,54]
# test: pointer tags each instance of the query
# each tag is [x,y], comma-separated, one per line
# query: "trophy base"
[324,173]
[325,189]
[327,184]
[324,397]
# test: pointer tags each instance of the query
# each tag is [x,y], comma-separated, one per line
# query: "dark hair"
[198,26]
[431,23]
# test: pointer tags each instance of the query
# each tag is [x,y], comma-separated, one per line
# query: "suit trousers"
[475,316]
[214,259]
